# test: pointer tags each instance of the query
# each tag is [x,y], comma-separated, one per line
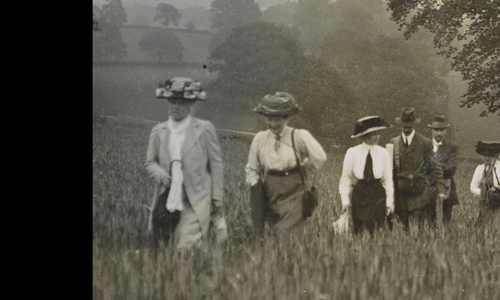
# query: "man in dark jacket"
[445,153]
[418,179]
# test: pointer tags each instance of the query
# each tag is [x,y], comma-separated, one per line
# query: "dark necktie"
[277,143]
[405,141]
[368,172]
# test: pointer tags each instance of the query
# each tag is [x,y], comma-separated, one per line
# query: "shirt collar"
[282,133]
[179,125]
[410,137]
[435,143]
[367,147]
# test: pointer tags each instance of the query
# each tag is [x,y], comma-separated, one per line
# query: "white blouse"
[354,165]
[475,185]
[265,155]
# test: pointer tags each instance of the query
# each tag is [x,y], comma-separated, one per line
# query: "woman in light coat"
[272,164]
[184,159]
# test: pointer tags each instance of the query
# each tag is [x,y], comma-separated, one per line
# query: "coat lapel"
[412,145]
[193,132]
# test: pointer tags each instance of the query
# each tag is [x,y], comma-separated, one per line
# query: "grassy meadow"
[460,262]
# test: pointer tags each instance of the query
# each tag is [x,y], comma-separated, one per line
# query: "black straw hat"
[488,148]
[369,124]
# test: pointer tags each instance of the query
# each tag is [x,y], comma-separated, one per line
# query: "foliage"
[108,44]
[190,25]
[163,45]
[95,24]
[469,33]
[386,70]
[228,14]
[263,58]
[460,262]
[280,14]
[168,13]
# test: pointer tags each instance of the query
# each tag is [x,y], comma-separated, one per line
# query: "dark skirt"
[284,202]
[368,205]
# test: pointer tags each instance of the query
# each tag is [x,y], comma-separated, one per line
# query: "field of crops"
[459,262]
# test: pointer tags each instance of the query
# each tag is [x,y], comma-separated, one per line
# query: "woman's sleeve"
[253,167]
[347,177]
[216,165]
[386,179]
[475,185]
[152,164]
[316,156]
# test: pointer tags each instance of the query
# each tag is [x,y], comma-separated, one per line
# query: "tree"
[95,24]
[108,43]
[262,58]
[167,13]
[228,14]
[466,31]
[162,45]
[280,14]
[365,48]
[190,25]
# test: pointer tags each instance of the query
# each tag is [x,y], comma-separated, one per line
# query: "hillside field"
[459,262]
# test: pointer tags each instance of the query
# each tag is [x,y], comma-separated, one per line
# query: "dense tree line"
[342,59]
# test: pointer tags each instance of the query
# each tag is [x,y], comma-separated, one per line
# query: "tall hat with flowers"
[181,88]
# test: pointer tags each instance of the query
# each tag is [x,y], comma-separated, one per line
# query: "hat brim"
[438,127]
[488,148]
[370,130]
[400,122]
[264,111]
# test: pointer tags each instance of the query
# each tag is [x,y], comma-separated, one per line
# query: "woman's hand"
[389,210]
[346,208]
[165,179]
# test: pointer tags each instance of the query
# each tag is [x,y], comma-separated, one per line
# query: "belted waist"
[284,172]
[373,180]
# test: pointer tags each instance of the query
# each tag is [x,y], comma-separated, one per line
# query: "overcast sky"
[180,4]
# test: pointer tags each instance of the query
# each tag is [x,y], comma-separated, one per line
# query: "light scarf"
[177,135]
[435,145]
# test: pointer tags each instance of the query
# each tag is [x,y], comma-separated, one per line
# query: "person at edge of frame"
[485,183]
[184,159]
[277,175]
[418,179]
[366,186]
[445,153]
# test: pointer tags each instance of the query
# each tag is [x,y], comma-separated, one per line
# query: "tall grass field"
[460,261]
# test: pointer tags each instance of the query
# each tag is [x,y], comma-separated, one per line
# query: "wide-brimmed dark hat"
[278,104]
[408,117]
[438,122]
[369,124]
[488,148]
[181,88]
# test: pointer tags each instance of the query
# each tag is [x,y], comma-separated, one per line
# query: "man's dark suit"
[446,157]
[410,159]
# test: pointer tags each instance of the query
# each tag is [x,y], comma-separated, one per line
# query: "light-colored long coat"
[201,166]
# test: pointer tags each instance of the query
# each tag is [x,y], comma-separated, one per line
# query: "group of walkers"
[409,181]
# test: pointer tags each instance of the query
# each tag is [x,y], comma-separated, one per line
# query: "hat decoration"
[369,124]
[181,88]
[278,104]
[488,148]
[438,122]
[408,117]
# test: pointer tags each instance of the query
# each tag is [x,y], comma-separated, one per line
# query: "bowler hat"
[488,148]
[438,122]
[181,88]
[369,124]
[408,117]
[277,104]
